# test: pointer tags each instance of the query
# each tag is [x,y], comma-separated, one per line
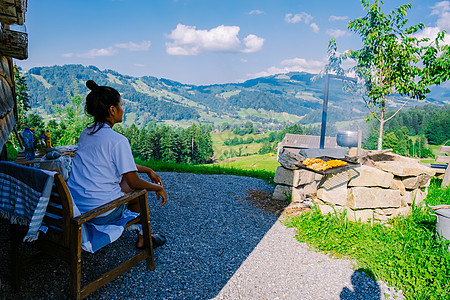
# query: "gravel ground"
[219,246]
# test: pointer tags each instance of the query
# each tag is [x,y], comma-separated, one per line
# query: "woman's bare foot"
[140,241]
[157,241]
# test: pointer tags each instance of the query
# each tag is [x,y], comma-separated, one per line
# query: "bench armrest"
[87,216]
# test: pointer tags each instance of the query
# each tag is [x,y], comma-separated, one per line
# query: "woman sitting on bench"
[103,167]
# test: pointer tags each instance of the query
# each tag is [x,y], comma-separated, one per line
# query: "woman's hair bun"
[91,85]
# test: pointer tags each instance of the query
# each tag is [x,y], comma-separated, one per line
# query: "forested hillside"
[270,102]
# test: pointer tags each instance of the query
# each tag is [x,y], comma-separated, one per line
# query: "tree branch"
[403,105]
[370,109]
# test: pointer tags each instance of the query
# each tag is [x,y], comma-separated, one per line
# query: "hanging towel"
[24,195]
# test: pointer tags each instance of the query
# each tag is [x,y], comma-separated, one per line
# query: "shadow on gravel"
[210,227]
[364,287]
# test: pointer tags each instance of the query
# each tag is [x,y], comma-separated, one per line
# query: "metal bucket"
[443,220]
[347,138]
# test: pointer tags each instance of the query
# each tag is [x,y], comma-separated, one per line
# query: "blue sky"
[201,41]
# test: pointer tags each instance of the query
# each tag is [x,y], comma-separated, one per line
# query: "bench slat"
[53,220]
[55,209]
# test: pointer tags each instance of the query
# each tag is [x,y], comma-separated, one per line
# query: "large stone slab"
[397,184]
[414,182]
[335,195]
[362,215]
[293,177]
[309,188]
[417,196]
[288,159]
[331,209]
[368,176]
[363,197]
[284,193]
[333,180]
[404,168]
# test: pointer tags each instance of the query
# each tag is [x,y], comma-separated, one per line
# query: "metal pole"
[324,114]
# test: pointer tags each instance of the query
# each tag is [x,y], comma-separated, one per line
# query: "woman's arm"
[135,182]
[150,173]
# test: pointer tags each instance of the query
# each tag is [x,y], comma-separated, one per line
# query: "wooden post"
[445,159]
[359,142]
[75,262]
[14,255]
[147,231]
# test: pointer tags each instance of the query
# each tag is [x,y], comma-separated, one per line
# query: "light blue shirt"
[98,166]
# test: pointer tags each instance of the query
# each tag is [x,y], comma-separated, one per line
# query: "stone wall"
[381,191]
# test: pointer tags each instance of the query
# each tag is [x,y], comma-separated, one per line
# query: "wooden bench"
[63,238]
[444,159]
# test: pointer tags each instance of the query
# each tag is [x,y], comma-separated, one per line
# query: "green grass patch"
[207,169]
[263,162]
[407,254]
[218,139]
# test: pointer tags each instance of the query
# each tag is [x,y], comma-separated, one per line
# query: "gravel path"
[219,246]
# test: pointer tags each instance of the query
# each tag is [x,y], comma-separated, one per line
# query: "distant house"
[298,141]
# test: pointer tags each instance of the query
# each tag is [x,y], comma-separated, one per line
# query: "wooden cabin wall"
[7,99]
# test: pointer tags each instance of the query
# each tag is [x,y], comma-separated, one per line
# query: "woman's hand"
[154,177]
[161,193]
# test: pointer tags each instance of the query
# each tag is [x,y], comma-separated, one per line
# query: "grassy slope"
[263,162]
[247,149]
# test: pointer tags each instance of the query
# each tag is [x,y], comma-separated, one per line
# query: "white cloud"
[188,40]
[431,33]
[111,50]
[252,43]
[301,17]
[256,12]
[293,65]
[336,33]
[314,27]
[442,10]
[144,46]
[337,18]
[139,65]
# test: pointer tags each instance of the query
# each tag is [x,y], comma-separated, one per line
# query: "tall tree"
[73,119]
[22,98]
[394,60]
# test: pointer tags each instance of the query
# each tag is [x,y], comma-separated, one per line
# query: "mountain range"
[269,102]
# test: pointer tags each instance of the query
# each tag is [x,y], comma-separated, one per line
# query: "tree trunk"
[380,137]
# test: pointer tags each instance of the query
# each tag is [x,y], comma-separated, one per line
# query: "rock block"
[288,159]
[403,211]
[417,196]
[293,177]
[363,197]
[368,176]
[309,189]
[330,209]
[414,182]
[284,193]
[334,195]
[397,184]
[404,168]
[362,215]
